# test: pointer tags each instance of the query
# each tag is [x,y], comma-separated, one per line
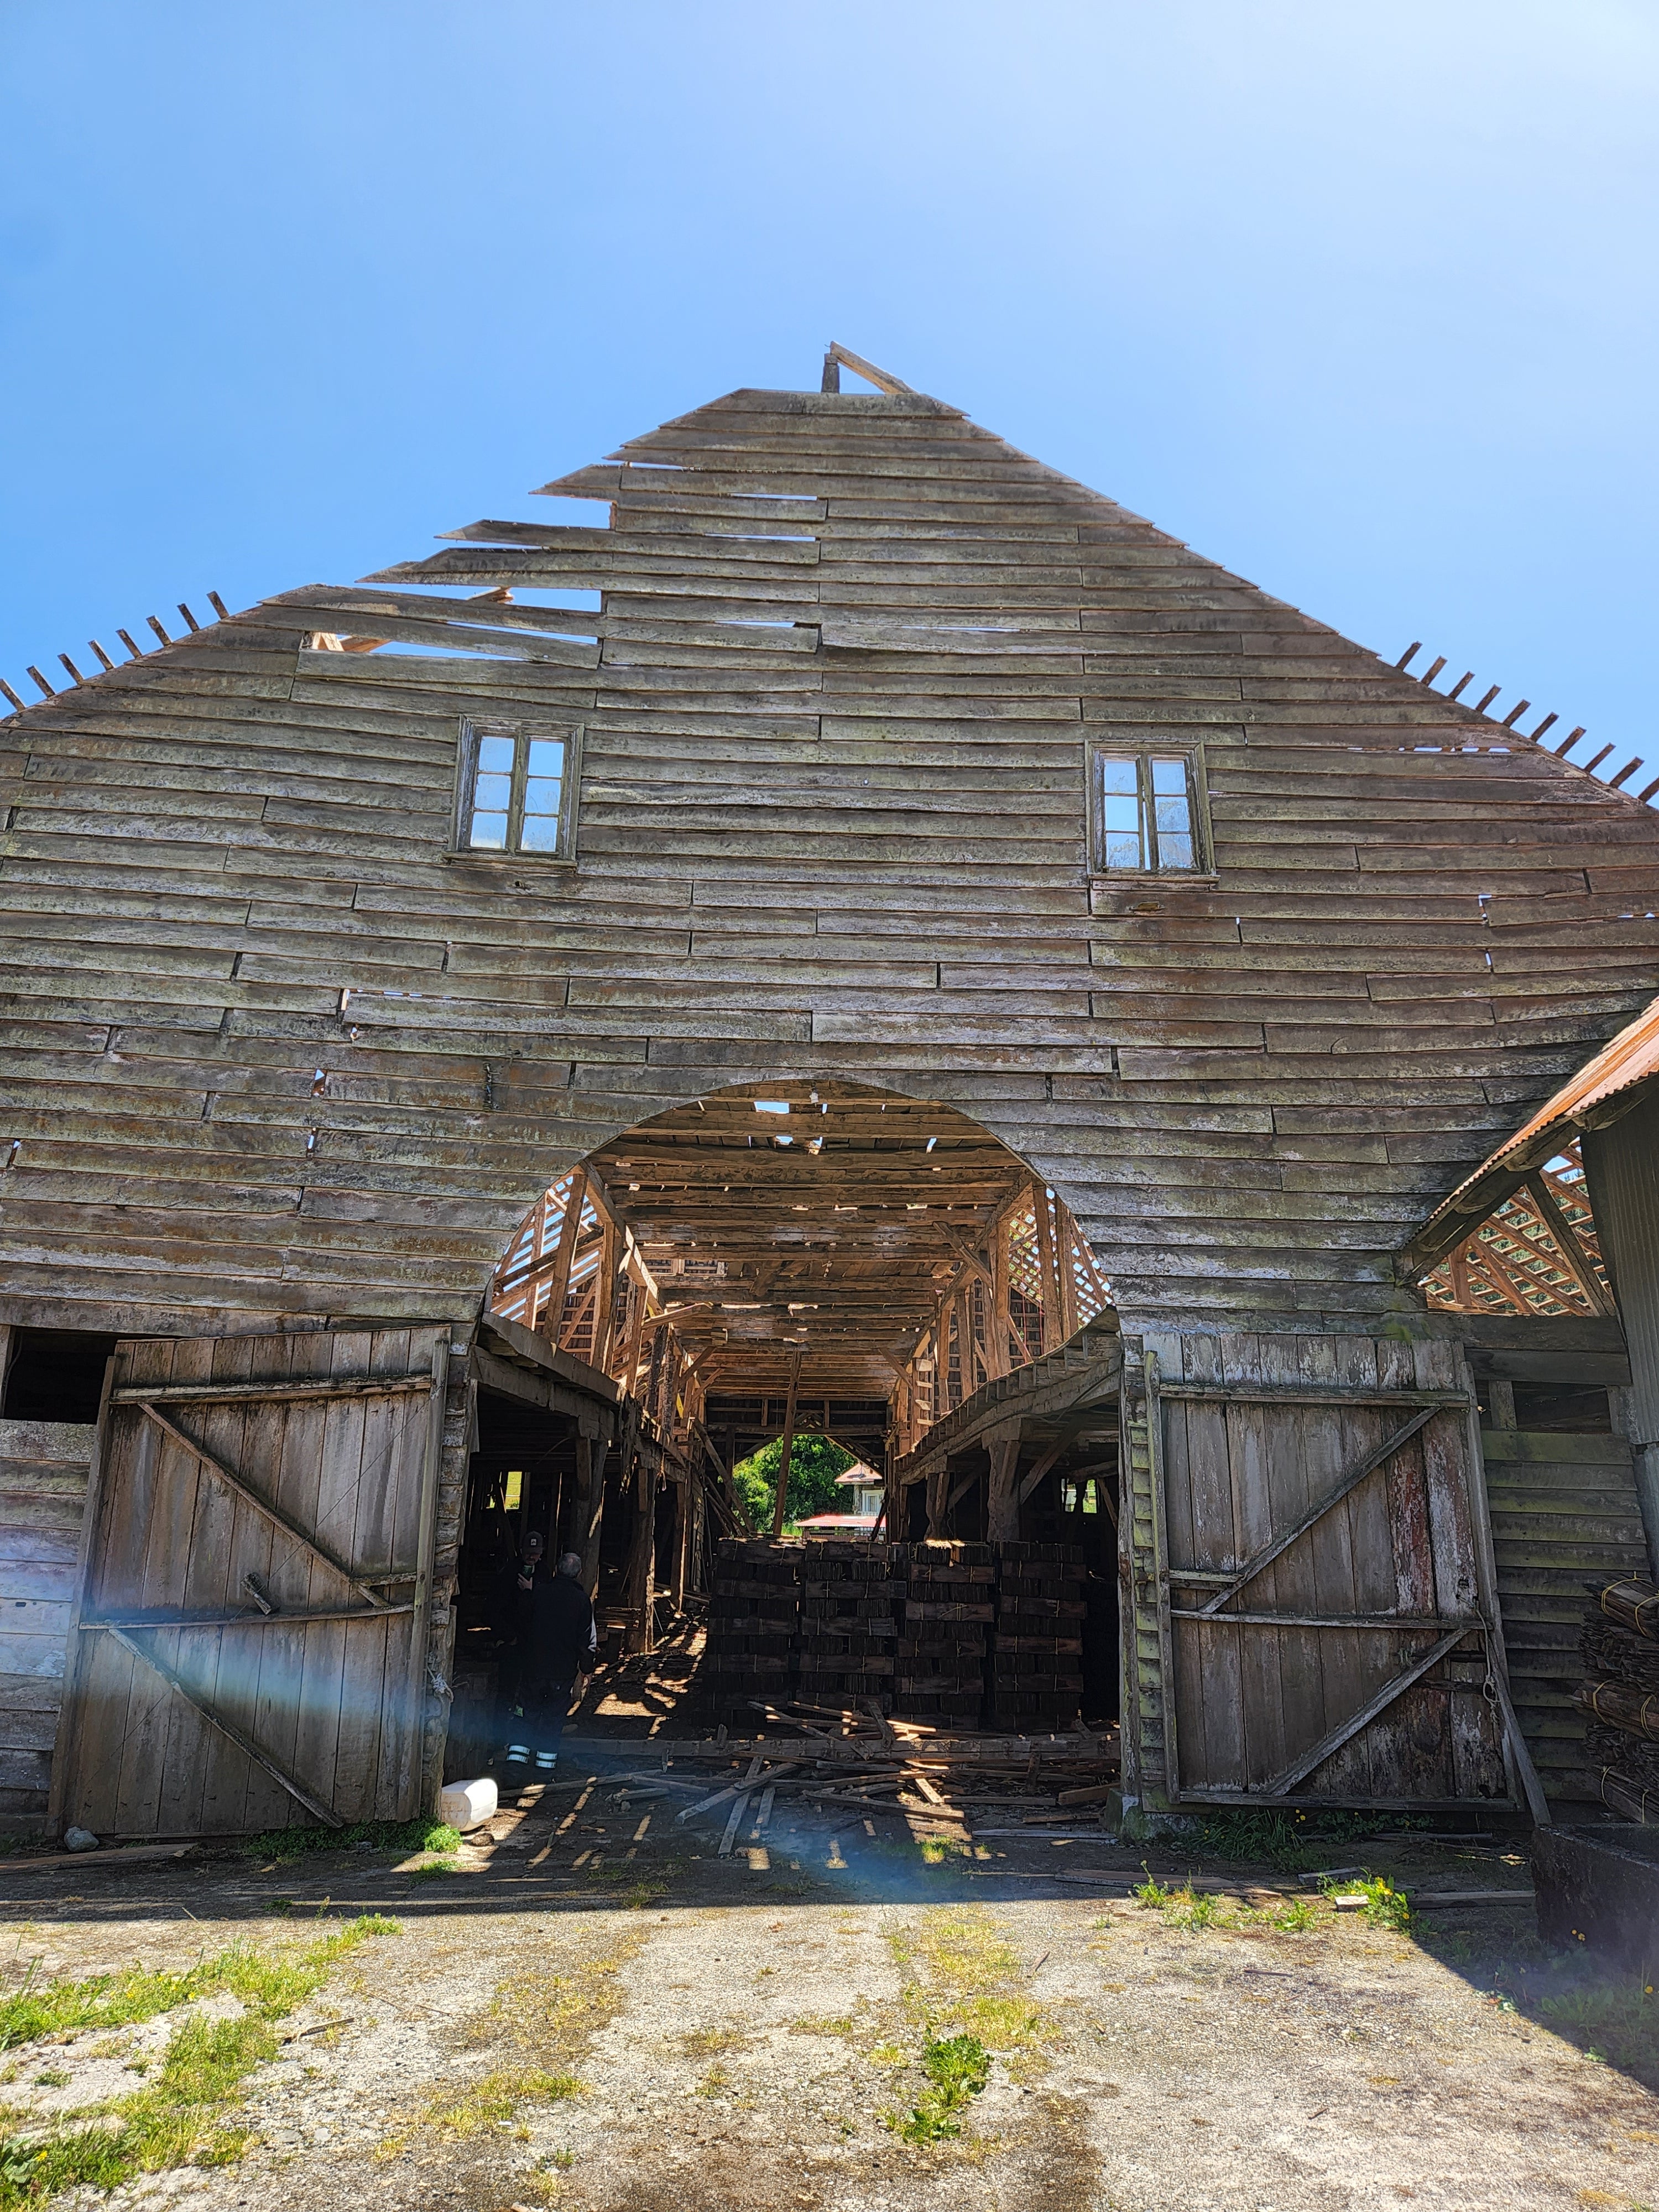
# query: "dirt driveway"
[600,2011]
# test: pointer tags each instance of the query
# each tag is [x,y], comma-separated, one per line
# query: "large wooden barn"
[865,935]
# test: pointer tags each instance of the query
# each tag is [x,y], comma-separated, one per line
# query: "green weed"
[958,2067]
[283,1843]
[1295,1916]
[1385,1906]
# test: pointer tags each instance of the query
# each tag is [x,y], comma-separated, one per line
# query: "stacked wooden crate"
[754,1621]
[1620,1699]
[1037,1658]
[848,1623]
[949,1604]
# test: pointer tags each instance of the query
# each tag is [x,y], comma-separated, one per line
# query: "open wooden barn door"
[1309,1599]
[249,1646]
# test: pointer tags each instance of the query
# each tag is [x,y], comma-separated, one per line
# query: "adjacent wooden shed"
[868,924]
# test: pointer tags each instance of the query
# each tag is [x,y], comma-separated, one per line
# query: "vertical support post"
[1001,1327]
[685,1494]
[642,1557]
[592,1454]
[1068,1230]
[604,1296]
[426,1547]
[564,1252]
[59,1798]
[1623,1195]
[788,1446]
[1150,1770]
[1002,1489]
[1053,1321]
[939,1495]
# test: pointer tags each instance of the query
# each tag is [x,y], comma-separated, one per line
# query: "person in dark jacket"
[558,1642]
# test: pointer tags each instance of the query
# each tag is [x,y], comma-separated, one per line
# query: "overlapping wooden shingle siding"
[271,1052]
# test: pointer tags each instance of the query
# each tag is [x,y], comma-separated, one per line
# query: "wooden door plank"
[267,1510]
[1276,1546]
[1286,1780]
[245,1743]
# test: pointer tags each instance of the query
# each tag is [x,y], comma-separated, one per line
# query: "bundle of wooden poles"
[1620,1646]
[853,1759]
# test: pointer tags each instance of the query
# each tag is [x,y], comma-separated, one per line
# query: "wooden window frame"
[467,770]
[1143,751]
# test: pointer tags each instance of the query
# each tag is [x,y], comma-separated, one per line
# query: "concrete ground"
[602,2012]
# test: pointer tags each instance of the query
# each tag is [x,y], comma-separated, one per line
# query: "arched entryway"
[768,1262]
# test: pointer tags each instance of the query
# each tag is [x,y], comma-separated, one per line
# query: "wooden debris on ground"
[870,1763]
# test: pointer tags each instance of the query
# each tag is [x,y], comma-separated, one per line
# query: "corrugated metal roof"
[1630,1060]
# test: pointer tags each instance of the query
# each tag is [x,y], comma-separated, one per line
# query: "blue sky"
[1360,300]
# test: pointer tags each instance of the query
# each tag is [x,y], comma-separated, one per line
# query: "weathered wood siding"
[1565,1519]
[43,1490]
[272,1053]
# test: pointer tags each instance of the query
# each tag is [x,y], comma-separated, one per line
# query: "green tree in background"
[813,1466]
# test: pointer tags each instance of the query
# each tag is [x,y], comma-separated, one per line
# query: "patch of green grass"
[711,2042]
[267,1985]
[958,2067]
[429,1869]
[498,2096]
[1296,1842]
[1617,2023]
[423,1835]
[1385,1907]
[178,2117]
[943,1850]
[964,1977]
[1186,1908]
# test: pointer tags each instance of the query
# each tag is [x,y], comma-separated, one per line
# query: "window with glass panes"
[517,793]
[1148,813]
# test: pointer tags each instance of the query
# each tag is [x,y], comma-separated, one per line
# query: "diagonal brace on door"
[1333,1739]
[1351,1480]
[363,1584]
[243,1741]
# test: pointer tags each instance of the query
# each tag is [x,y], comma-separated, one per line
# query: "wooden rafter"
[1536,1252]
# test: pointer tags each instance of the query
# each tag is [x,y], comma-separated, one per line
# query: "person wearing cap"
[558,1642]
